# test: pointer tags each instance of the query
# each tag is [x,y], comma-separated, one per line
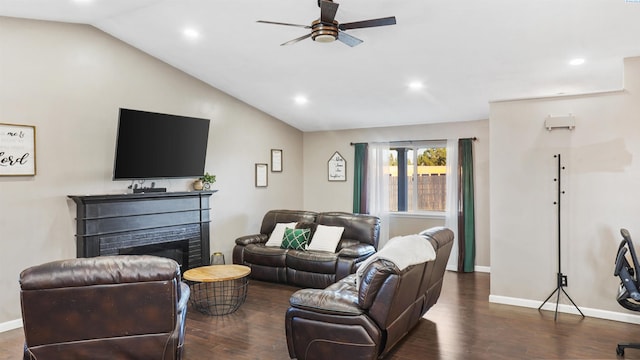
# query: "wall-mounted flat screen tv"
[156,146]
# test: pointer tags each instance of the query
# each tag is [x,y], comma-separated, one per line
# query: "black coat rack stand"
[561,279]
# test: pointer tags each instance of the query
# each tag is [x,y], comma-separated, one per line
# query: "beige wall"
[601,184]
[403,225]
[69,81]
[320,194]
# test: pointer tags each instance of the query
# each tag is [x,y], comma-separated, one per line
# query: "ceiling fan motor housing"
[324,32]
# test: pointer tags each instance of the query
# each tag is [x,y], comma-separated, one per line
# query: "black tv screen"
[156,146]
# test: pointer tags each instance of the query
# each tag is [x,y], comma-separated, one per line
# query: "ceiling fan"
[327,29]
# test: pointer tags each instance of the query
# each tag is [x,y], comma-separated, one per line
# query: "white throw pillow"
[278,233]
[326,238]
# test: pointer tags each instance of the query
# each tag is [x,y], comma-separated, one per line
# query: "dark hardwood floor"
[462,325]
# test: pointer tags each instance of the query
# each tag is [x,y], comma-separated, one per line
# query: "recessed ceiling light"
[576,61]
[191,33]
[301,100]
[416,85]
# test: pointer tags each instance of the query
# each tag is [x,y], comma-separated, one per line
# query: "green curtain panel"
[360,179]
[466,215]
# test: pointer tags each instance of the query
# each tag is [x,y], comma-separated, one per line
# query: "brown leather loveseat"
[365,314]
[308,268]
[109,307]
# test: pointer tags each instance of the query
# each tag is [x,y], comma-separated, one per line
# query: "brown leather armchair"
[109,307]
[350,320]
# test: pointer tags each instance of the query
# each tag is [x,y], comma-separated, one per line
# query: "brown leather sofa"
[344,321]
[310,268]
[109,307]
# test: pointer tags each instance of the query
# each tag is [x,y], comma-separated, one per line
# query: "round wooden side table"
[218,289]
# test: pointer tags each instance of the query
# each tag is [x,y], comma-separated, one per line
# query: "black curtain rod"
[410,141]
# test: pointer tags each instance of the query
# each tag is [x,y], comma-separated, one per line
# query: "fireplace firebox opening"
[176,250]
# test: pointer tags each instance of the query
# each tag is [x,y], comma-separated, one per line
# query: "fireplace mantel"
[108,224]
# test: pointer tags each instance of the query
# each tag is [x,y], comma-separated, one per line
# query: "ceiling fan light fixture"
[324,32]
[324,38]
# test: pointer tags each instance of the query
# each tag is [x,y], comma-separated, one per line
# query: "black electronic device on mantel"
[157,146]
[141,190]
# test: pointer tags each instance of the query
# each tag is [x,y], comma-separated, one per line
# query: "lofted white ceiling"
[466,53]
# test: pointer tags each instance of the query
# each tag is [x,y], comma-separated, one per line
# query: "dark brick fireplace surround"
[169,224]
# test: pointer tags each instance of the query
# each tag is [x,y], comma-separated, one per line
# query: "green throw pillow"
[295,238]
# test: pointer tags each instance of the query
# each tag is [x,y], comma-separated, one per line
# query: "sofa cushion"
[360,227]
[321,262]
[326,238]
[339,300]
[272,217]
[307,225]
[265,255]
[295,239]
[278,233]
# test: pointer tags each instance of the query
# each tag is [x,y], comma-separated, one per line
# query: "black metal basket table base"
[218,289]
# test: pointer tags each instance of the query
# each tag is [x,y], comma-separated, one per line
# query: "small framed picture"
[276,160]
[261,175]
[17,150]
[337,168]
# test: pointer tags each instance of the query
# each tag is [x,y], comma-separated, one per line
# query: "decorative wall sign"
[17,150]
[337,168]
[276,160]
[261,175]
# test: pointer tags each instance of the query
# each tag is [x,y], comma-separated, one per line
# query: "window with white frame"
[418,177]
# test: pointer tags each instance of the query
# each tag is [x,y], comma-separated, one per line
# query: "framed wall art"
[276,160]
[261,175]
[17,150]
[337,168]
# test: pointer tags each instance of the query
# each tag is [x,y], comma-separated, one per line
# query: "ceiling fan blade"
[296,40]
[391,20]
[286,24]
[348,39]
[328,11]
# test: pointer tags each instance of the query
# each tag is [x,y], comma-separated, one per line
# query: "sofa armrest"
[252,239]
[326,301]
[357,251]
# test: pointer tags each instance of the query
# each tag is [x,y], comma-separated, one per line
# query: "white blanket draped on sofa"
[403,251]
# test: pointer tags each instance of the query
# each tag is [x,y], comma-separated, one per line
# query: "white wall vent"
[560,122]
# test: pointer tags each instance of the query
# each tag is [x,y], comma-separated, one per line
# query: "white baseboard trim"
[10,325]
[482,269]
[567,309]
